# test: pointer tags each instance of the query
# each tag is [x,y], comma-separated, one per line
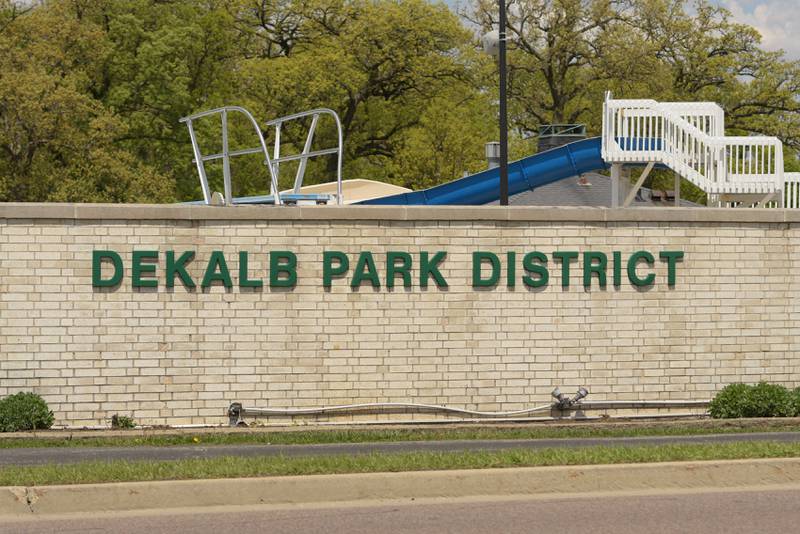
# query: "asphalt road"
[64,455]
[708,513]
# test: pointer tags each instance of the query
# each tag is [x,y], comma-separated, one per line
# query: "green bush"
[24,411]
[769,400]
[730,402]
[761,400]
[122,421]
[794,395]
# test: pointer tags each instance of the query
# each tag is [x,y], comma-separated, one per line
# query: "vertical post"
[677,189]
[625,184]
[503,110]
[492,155]
[339,194]
[198,158]
[301,168]
[226,160]
[616,175]
[276,154]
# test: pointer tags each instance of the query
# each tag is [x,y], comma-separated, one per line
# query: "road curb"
[317,489]
[701,422]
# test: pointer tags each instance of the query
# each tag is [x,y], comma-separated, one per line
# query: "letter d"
[97,263]
[477,262]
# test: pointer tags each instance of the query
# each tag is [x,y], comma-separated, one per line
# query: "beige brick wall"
[174,356]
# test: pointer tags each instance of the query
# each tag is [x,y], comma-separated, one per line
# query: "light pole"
[496,46]
[503,110]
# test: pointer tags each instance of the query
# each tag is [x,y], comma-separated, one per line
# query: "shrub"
[795,398]
[769,400]
[24,411]
[761,400]
[730,402]
[122,421]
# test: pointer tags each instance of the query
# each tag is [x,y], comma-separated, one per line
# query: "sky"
[778,21]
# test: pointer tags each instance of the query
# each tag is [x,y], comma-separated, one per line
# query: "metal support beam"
[638,185]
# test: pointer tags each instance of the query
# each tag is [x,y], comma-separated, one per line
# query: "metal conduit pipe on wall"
[236,411]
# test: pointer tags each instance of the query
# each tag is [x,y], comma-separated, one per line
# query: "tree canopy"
[91,91]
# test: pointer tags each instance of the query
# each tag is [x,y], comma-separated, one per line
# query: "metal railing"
[577,130]
[307,153]
[687,138]
[272,163]
[226,155]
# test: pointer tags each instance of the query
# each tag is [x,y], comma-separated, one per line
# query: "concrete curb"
[700,422]
[530,481]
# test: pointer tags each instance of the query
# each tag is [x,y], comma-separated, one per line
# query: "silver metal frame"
[226,154]
[306,154]
[272,163]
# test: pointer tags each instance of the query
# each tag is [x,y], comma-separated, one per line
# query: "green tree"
[378,64]
[10,10]
[116,76]
[164,60]
[51,127]
[555,47]
[448,141]
[710,57]
[565,53]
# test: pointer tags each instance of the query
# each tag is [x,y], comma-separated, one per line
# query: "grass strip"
[305,437]
[237,467]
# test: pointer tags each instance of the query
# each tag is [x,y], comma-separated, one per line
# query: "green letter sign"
[97,263]
[282,262]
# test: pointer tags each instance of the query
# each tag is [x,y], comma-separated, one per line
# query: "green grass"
[236,467]
[404,434]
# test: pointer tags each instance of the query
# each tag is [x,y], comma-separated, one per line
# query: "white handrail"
[689,138]
[791,190]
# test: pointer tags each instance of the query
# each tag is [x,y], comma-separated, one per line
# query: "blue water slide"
[528,173]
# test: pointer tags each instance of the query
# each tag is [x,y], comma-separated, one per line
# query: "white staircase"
[689,138]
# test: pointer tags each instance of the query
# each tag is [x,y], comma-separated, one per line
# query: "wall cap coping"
[39,211]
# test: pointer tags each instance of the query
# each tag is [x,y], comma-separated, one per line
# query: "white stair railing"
[689,139]
[708,117]
[791,190]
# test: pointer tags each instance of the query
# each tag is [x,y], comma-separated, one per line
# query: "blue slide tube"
[528,173]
